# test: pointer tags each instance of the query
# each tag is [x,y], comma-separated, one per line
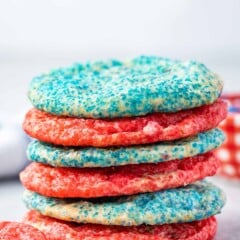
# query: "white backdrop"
[120,27]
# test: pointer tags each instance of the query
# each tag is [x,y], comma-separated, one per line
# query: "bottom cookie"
[19,231]
[60,230]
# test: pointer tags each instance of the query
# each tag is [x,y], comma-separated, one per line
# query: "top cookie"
[109,89]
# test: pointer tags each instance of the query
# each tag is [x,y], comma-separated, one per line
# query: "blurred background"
[36,36]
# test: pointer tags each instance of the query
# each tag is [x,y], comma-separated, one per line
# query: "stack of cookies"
[120,148]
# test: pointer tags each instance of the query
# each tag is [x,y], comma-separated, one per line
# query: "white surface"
[229,224]
[11,205]
[12,208]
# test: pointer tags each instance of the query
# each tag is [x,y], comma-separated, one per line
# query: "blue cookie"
[105,157]
[185,204]
[108,89]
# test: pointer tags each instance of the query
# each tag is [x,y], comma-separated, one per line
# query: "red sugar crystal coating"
[19,231]
[58,230]
[114,181]
[68,131]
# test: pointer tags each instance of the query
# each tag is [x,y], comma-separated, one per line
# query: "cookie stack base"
[19,231]
[58,230]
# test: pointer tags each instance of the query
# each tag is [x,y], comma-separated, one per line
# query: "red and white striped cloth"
[229,152]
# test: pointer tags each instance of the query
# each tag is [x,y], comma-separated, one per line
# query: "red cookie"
[114,181]
[155,127]
[19,231]
[58,230]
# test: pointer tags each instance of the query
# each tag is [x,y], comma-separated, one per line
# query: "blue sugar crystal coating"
[125,88]
[193,202]
[105,157]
